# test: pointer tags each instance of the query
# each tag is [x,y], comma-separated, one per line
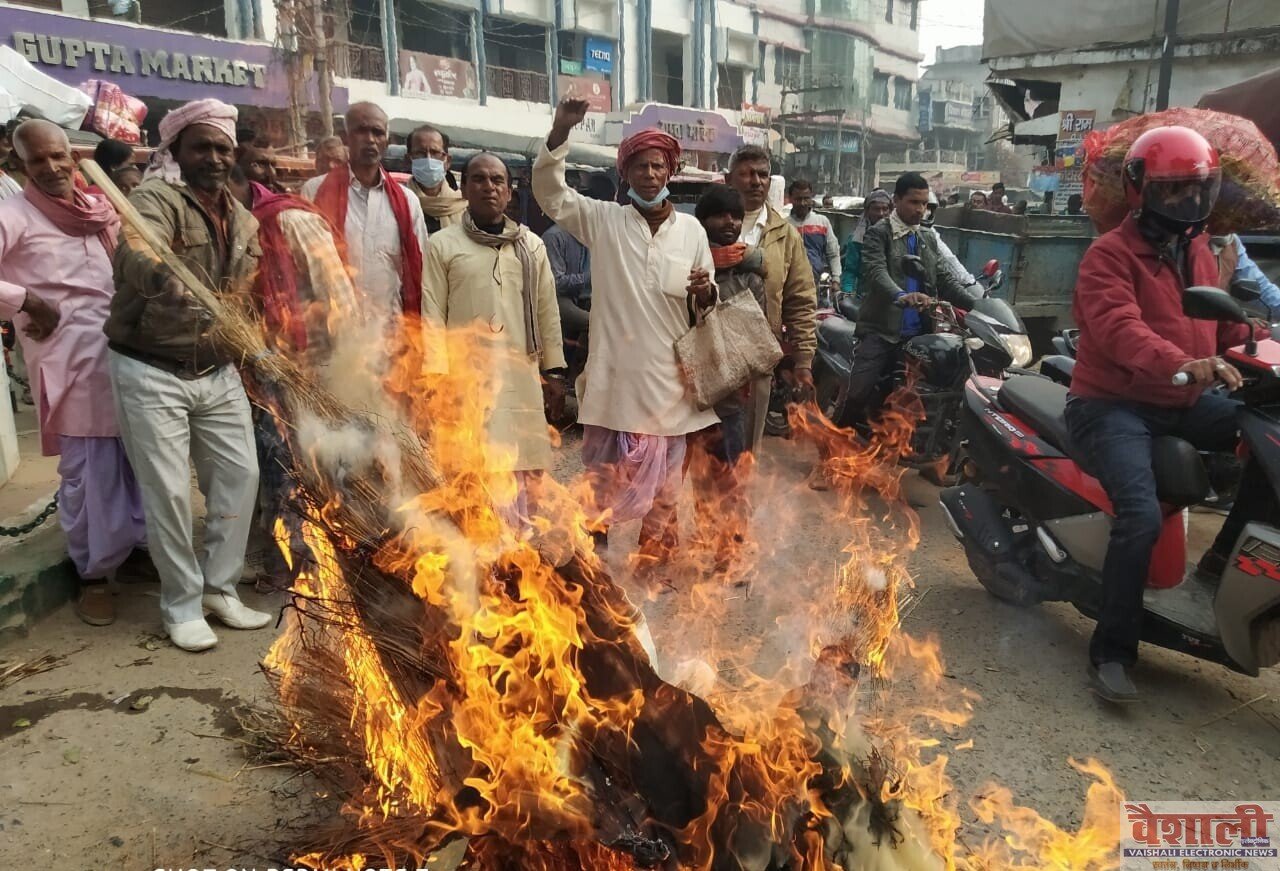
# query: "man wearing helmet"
[1133,339]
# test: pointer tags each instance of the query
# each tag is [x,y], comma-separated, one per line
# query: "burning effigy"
[461,674]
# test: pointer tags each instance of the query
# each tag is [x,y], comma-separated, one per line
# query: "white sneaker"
[192,635]
[234,613]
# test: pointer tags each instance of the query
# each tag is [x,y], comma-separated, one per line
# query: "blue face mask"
[427,171]
[648,204]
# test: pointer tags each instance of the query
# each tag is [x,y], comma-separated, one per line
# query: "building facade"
[1048,57]
[959,121]
[827,85]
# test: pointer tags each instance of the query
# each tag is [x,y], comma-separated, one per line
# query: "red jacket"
[1133,334]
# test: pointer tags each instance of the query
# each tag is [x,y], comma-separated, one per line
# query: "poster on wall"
[424,75]
[1068,155]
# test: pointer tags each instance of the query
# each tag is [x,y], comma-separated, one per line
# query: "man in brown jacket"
[790,295]
[177,394]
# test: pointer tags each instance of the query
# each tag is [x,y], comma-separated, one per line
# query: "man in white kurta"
[382,223]
[492,275]
[647,260]
[55,282]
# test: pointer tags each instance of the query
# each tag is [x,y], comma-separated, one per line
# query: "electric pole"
[304,41]
[1166,55]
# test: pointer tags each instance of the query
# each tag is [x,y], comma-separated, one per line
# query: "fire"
[463,667]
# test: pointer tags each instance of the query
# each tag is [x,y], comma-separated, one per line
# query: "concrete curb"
[36,578]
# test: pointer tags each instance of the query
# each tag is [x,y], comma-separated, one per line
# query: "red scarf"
[277,273]
[332,200]
[83,216]
[728,256]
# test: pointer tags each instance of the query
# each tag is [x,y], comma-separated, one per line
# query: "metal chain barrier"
[16,378]
[45,514]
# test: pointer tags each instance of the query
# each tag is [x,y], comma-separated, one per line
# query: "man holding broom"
[177,394]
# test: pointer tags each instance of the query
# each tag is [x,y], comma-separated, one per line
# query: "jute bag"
[729,344]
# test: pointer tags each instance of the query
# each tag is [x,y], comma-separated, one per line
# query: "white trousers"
[164,420]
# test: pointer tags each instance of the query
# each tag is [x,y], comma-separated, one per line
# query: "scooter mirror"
[913,267]
[1245,290]
[992,267]
[1212,304]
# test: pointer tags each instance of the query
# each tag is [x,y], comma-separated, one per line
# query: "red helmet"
[1171,175]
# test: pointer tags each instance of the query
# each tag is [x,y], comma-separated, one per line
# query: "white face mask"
[649,204]
[427,171]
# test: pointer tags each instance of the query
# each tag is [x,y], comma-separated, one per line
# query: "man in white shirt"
[649,264]
[382,223]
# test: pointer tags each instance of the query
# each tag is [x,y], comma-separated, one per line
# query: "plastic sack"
[39,94]
[115,114]
[1250,196]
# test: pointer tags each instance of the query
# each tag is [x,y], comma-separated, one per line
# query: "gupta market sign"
[148,62]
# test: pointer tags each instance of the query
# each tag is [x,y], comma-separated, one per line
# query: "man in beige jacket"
[790,294]
[492,273]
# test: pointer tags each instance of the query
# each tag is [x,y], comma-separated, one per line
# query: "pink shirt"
[69,369]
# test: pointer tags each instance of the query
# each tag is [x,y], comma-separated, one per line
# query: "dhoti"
[99,504]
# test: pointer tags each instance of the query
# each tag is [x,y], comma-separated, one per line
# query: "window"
[174,14]
[787,66]
[730,87]
[435,29]
[915,14]
[668,68]
[880,89]
[515,45]
[516,61]
[901,93]
[888,10]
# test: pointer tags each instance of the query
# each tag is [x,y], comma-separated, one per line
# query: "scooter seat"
[1181,479]
[839,336]
[1041,403]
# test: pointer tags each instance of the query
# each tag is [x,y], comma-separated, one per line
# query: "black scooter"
[1035,527]
[988,339]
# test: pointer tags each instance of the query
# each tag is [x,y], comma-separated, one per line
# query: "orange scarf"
[728,256]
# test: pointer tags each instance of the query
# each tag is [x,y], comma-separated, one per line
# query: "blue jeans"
[1112,441]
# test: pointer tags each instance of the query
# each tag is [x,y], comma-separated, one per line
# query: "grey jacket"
[883,279]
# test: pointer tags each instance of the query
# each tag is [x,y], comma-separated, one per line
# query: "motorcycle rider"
[891,308]
[1133,339]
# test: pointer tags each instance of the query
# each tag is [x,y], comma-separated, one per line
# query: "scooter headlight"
[1019,348]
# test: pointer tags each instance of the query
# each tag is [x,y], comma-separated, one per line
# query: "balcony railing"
[523,85]
[366,62]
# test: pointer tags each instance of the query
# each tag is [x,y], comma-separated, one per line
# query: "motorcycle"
[1035,527]
[988,339]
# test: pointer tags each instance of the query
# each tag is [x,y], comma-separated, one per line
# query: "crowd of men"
[132,387]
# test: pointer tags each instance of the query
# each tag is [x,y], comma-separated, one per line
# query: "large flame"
[497,746]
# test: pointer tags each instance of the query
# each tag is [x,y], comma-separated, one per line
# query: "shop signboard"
[426,75]
[571,67]
[148,62]
[694,130]
[1068,155]
[597,92]
[599,55]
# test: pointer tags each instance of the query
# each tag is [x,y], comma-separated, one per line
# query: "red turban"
[643,141]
